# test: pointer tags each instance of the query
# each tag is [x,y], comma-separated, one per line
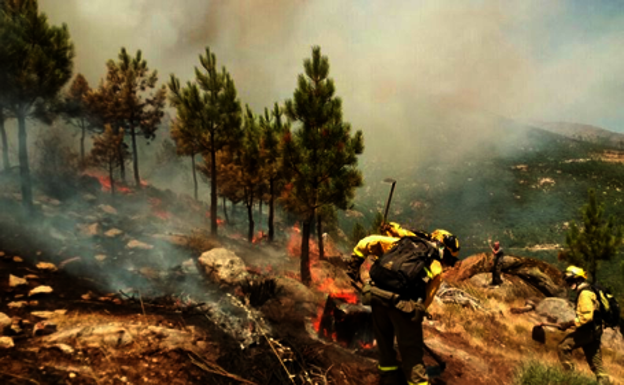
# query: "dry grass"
[508,335]
[201,241]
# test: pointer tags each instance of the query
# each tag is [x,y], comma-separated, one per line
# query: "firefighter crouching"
[588,326]
[398,315]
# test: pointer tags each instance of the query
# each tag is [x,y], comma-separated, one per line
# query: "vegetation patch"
[537,373]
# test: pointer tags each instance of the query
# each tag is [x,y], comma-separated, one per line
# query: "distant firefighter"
[497,253]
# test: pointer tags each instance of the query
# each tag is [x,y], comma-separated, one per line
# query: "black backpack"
[404,268]
[609,307]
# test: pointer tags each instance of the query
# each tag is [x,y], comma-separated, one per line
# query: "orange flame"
[157,210]
[105,182]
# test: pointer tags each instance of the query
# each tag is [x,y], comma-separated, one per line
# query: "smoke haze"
[398,66]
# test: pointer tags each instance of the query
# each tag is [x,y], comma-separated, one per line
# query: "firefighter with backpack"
[401,285]
[595,309]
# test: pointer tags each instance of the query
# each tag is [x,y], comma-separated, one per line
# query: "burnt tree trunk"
[27,198]
[250,232]
[306,276]
[271,210]
[225,214]
[213,186]
[319,231]
[135,158]
[194,176]
[260,215]
[122,164]
[83,133]
[5,143]
[110,175]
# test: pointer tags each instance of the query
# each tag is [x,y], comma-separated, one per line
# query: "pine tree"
[122,100]
[187,144]
[210,109]
[36,61]
[273,127]
[249,160]
[75,110]
[321,154]
[109,153]
[597,239]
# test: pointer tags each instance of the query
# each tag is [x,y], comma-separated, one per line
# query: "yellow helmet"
[450,242]
[575,272]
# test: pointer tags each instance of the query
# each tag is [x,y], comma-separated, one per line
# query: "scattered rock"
[6,343]
[16,281]
[223,266]
[31,276]
[134,244]
[17,304]
[43,314]
[110,335]
[15,329]
[40,290]
[65,349]
[556,309]
[33,303]
[112,233]
[89,198]
[46,266]
[100,257]
[91,230]
[44,328]
[5,322]
[17,259]
[613,339]
[108,209]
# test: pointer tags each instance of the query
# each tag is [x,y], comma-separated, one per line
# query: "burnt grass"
[33,362]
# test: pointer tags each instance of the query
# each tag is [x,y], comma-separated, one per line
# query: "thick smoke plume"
[398,65]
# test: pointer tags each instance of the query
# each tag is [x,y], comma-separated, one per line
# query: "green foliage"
[273,127]
[124,100]
[598,238]
[109,152]
[36,61]
[74,109]
[209,113]
[358,233]
[320,155]
[538,373]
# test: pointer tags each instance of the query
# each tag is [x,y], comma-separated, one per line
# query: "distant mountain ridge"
[583,132]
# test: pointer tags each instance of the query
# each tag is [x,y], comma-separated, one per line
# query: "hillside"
[521,185]
[584,132]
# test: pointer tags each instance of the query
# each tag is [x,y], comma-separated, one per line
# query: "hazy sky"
[393,61]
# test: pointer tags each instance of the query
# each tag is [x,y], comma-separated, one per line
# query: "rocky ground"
[95,291]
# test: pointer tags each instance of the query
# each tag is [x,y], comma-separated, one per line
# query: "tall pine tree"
[123,100]
[209,107]
[597,239]
[321,152]
[272,127]
[36,61]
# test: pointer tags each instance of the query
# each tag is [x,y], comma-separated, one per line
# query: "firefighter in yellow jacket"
[588,326]
[393,316]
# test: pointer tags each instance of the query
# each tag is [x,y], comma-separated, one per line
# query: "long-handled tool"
[387,208]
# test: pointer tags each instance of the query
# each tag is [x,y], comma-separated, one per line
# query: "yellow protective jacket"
[377,245]
[586,304]
[394,229]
